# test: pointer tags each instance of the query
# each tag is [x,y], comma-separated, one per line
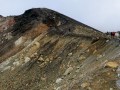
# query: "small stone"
[41,59]
[94,51]
[59,57]
[32,56]
[111,88]
[118,84]
[19,41]
[88,50]
[89,88]
[51,58]
[70,54]
[35,54]
[59,80]
[112,64]
[43,78]
[118,70]
[27,84]
[37,44]
[16,63]
[78,67]
[59,23]
[82,57]
[77,71]
[47,60]
[108,73]
[83,85]
[12,68]
[119,75]
[58,88]
[114,70]
[27,59]
[9,36]
[68,71]
[99,56]
[107,40]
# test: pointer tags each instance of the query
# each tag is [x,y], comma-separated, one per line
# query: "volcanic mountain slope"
[45,50]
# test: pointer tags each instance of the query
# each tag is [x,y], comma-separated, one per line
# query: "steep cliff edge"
[45,50]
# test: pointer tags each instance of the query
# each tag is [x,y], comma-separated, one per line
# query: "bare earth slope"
[45,50]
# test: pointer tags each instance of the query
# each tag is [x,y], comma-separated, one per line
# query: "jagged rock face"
[45,50]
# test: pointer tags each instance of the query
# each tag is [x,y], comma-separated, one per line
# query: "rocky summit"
[45,50]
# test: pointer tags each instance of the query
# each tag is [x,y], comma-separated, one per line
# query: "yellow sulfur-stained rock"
[112,64]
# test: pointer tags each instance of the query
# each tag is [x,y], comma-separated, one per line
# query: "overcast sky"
[103,15]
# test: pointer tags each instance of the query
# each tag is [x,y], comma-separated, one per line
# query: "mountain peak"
[45,50]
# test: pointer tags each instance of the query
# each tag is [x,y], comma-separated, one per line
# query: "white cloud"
[103,15]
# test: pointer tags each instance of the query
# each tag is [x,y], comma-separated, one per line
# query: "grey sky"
[103,15]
